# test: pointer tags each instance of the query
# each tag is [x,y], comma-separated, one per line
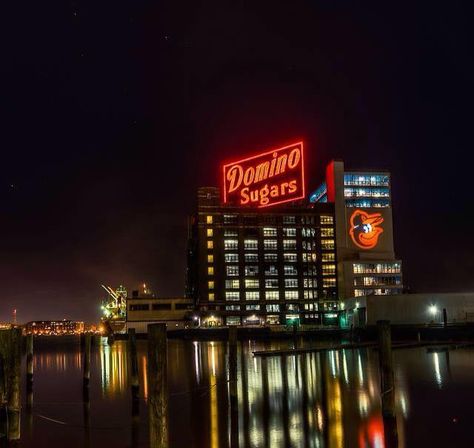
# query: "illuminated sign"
[365,229]
[269,178]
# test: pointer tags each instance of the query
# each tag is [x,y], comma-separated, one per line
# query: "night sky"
[114,112]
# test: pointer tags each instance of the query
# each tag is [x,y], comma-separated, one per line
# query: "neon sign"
[364,229]
[267,179]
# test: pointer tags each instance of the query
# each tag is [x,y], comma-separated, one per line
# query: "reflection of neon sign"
[269,178]
[364,229]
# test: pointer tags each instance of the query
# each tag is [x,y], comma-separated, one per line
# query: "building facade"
[255,266]
[54,327]
[364,230]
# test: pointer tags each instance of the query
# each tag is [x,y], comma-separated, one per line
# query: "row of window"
[376,268]
[253,220]
[274,307]
[368,203]
[378,280]
[378,192]
[372,179]
[271,270]
[271,295]
[308,257]
[376,291]
[252,244]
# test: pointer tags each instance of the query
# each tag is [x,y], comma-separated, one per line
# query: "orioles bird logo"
[365,230]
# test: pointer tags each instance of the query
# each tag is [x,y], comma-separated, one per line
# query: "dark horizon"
[114,113]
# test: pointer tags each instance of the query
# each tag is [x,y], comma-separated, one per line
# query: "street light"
[433,309]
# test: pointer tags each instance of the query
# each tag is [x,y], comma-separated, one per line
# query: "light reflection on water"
[311,400]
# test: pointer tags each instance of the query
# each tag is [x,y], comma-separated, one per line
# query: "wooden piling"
[157,386]
[132,353]
[29,361]
[10,350]
[86,368]
[386,368]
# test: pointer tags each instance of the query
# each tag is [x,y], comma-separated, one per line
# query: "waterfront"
[315,400]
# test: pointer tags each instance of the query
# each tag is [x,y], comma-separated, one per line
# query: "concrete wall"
[413,308]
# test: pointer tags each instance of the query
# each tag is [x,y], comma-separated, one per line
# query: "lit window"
[231,244]
[289,244]
[289,220]
[326,219]
[232,284]
[327,232]
[329,269]
[210,232]
[289,231]
[290,270]
[270,244]
[309,257]
[250,244]
[328,256]
[310,294]
[291,258]
[209,219]
[252,295]
[210,270]
[232,270]
[230,232]
[329,282]
[210,244]
[291,283]
[211,296]
[251,271]
[291,295]
[309,283]
[271,283]
[232,295]
[210,258]
[251,283]
[232,307]
[269,231]
[252,307]
[251,258]
[210,284]
[273,308]
[270,257]
[231,258]
[271,270]
[272,295]
[327,244]
[230,219]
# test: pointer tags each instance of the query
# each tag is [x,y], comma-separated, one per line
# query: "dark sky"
[113,112]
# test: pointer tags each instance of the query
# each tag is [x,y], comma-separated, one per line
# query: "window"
[269,231]
[209,219]
[251,271]
[291,283]
[272,295]
[329,269]
[253,307]
[309,257]
[210,258]
[292,307]
[309,245]
[232,284]
[250,244]
[327,244]
[270,244]
[232,307]
[271,270]
[232,320]
[230,219]
[289,244]
[270,257]
[232,270]
[376,268]
[311,306]
[310,270]
[161,306]
[329,282]
[210,284]
[139,307]
[289,220]
[291,295]
[328,256]
[271,283]
[211,296]
[251,258]
[326,219]
[231,233]
[310,294]
[290,270]
[251,283]
[273,308]
[210,244]
[231,258]
[210,270]
[252,295]
[310,283]
[210,232]
[231,244]
[327,232]
[232,295]
[289,231]
[308,232]
[290,257]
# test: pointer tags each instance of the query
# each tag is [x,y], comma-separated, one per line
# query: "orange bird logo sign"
[365,229]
